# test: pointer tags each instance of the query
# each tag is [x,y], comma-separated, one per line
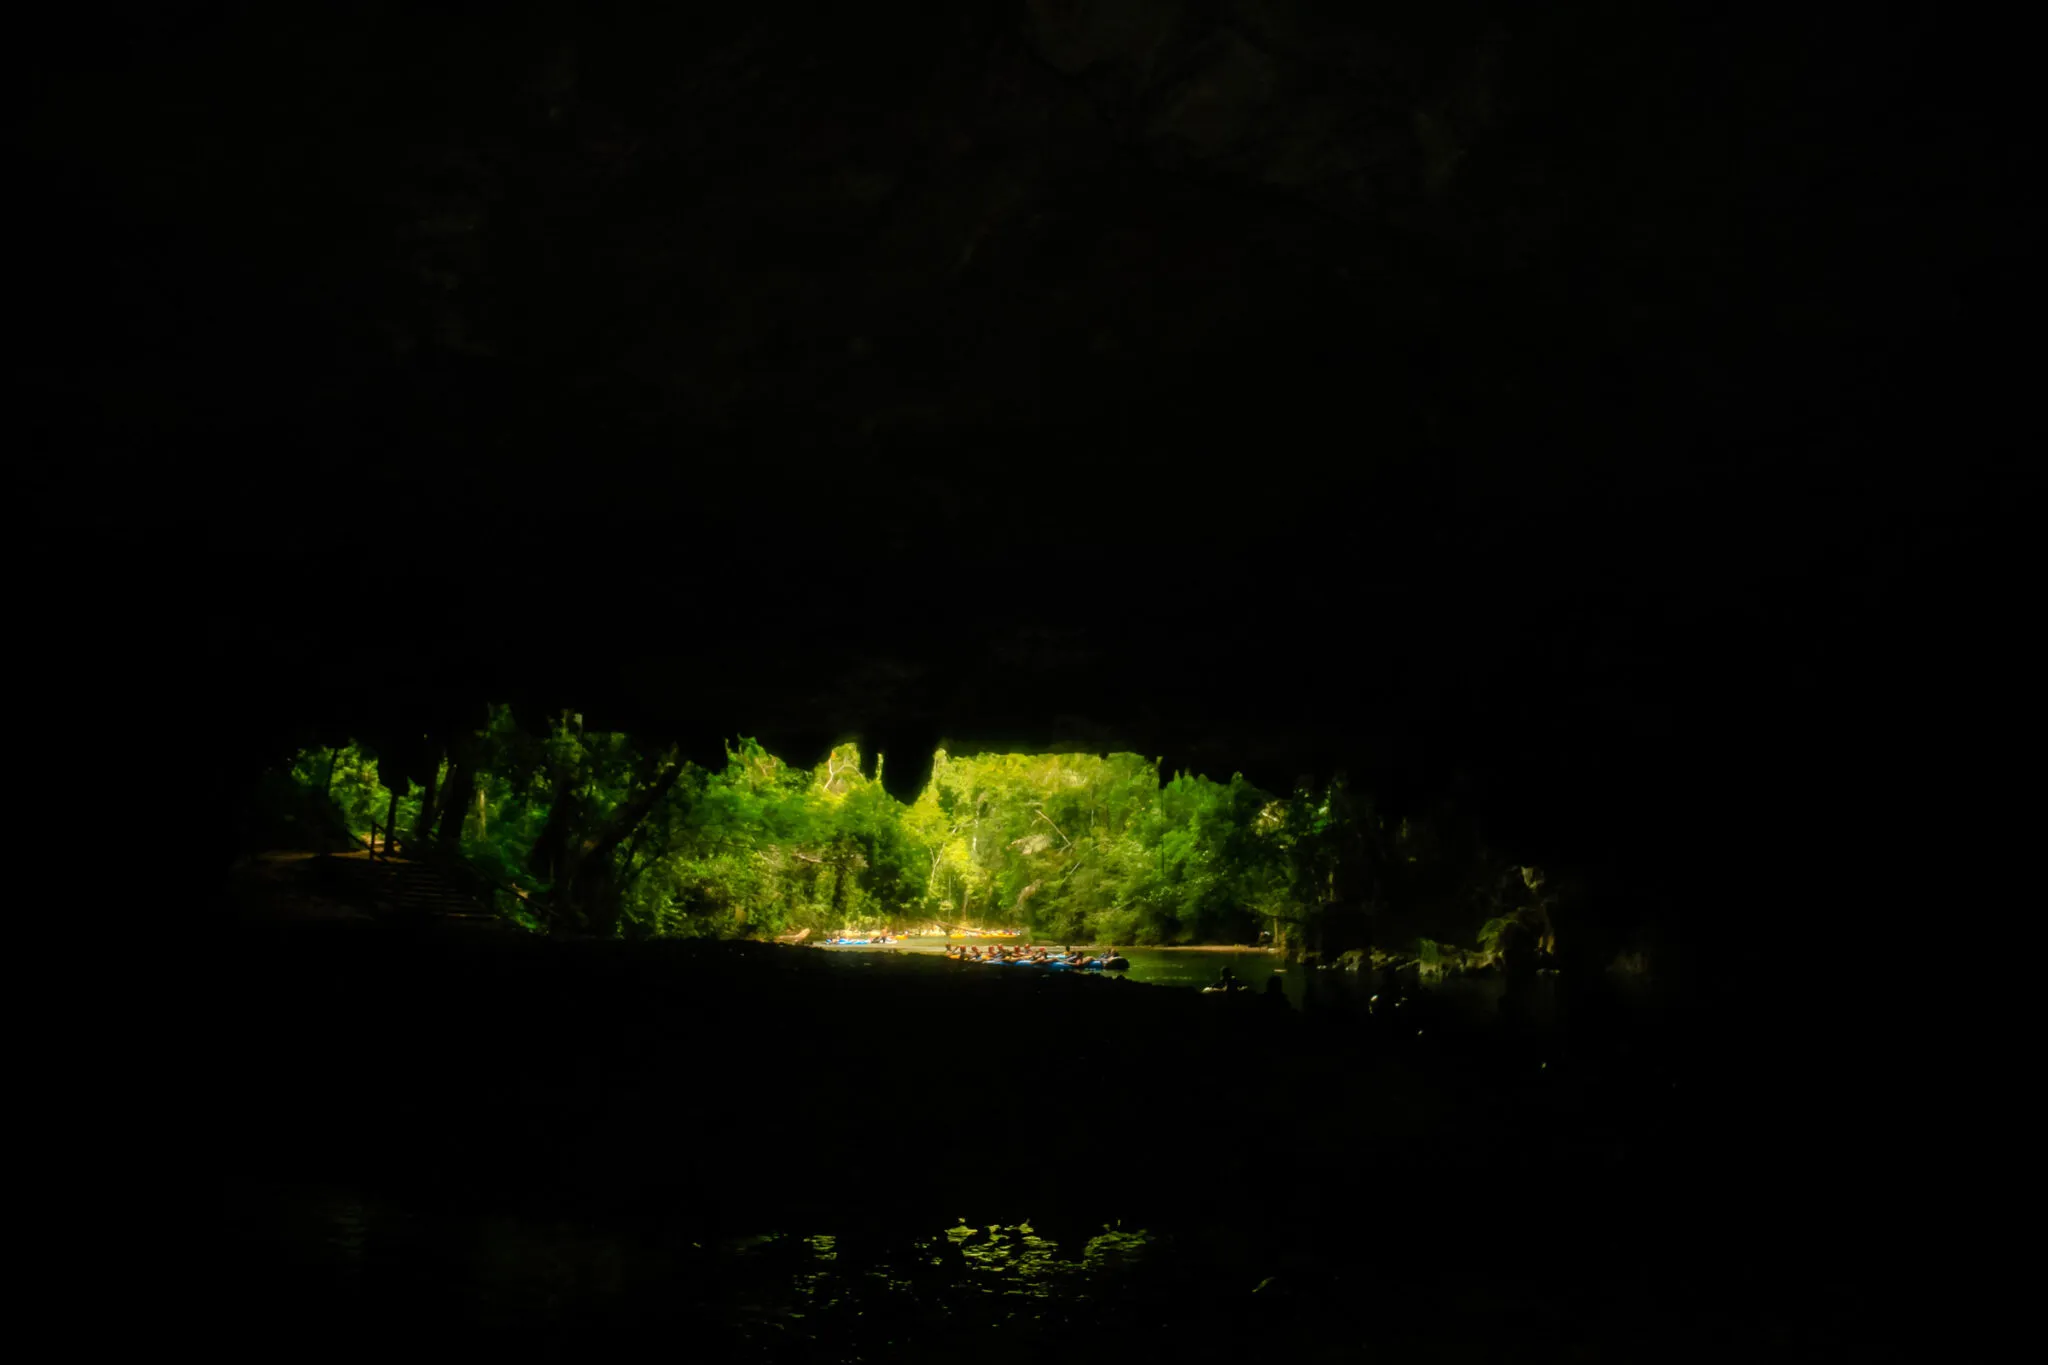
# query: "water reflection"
[325,1261]
[1305,987]
[779,1293]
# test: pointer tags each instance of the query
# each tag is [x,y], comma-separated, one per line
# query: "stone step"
[429,892]
[417,887]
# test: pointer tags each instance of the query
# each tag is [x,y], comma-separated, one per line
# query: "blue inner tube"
[1111,964]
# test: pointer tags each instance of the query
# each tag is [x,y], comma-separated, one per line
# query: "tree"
[602,834]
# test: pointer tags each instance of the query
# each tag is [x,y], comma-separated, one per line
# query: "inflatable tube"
[1116,964]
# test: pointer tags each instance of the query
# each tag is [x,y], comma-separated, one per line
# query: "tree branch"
[625,819]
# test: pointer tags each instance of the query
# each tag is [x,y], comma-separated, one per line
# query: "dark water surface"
[1194,969]
[738,1152]
[353,1269]
[344,1266]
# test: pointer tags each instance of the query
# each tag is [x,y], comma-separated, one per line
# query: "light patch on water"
[819,1290]
[1115,1249]
[1023,1263]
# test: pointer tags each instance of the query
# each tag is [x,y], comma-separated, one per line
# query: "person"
[1275,995]
[1226,980]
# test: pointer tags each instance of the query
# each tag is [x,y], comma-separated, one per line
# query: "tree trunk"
[624,876]
[390,819]
[455,804]
[601,843]
[597,898]
[590,880]
[423,828]
[549,857]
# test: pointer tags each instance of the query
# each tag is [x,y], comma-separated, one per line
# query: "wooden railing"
[391,845]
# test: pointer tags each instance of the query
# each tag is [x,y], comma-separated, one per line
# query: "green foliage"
[1067,847]
[1075,846]
[349,777]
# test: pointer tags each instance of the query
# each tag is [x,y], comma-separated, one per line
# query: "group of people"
[1003,952]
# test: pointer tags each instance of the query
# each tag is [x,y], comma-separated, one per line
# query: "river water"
[348,1262]
[1252,1260]
[1196,968]
[341,1266]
